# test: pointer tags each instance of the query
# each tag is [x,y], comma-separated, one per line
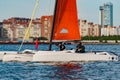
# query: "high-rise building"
[107,14]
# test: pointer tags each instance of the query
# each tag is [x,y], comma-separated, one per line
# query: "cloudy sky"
[87,9]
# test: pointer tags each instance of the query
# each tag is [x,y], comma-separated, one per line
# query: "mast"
[50,44]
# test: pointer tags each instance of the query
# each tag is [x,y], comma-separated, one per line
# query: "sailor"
[61,46]
[80,48]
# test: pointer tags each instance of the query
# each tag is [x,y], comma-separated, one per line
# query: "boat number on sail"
[63,30]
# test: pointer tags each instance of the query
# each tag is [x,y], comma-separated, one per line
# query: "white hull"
[25,56]
[60,56]
[2,53]
[17,57]
[70,56]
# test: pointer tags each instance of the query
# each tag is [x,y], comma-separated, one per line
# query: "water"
[38,71]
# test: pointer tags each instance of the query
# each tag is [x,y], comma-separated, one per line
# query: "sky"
[87,9]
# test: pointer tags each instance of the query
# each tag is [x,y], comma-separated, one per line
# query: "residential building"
[83,26]
[6,32]
[88,28]
[15,28]
[109,31]
[104,31]
[96,30]
[46,22]
[118,30]
[35,29]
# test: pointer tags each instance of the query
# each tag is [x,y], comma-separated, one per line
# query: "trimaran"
[65,27]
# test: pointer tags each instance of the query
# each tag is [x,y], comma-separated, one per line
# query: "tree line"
[100,38]
[115,37]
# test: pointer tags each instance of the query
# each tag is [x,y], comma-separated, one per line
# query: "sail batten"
[66,21]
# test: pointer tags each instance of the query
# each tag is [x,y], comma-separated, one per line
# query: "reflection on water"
[68,71]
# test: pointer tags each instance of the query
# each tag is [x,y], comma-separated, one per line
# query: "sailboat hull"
[71,56]
[17,57]
[59,56]
[3,53]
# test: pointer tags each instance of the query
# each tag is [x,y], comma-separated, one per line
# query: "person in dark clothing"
[61,46]
[80,48]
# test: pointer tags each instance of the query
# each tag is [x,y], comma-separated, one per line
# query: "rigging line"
[30,23]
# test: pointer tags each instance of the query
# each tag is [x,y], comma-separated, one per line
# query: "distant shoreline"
[23,43]
[84,42]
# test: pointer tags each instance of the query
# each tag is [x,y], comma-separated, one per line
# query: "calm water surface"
[38,71]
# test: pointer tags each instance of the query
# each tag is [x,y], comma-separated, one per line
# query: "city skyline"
[87,9]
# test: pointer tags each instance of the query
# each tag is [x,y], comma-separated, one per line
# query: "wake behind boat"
[65,28]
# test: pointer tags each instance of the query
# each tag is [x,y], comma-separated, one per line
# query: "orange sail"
[66,21]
